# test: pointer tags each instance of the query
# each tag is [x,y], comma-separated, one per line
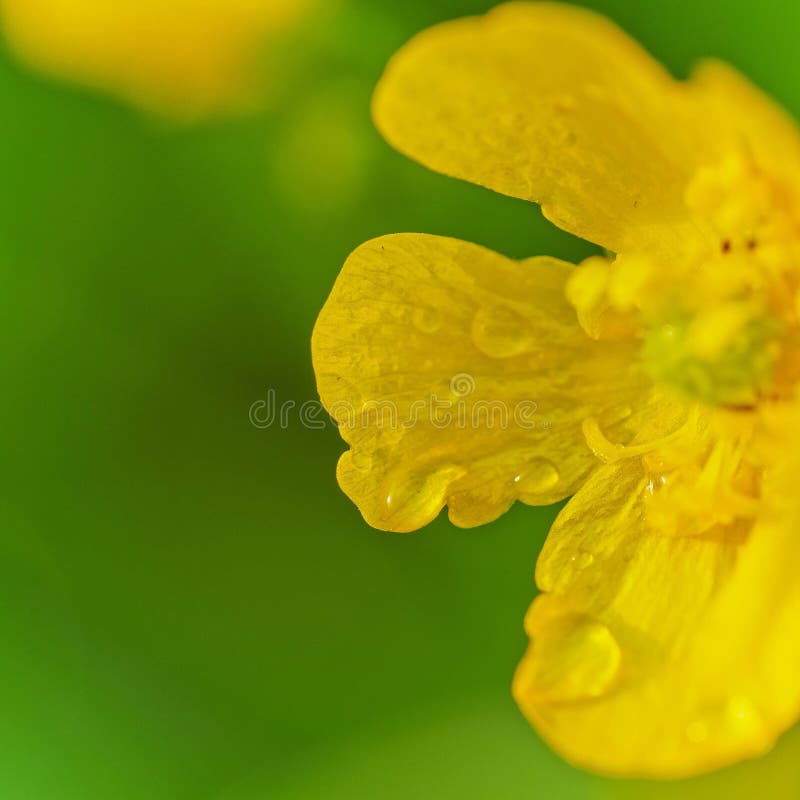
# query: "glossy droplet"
[737,719]
[744,720]
[426,320]
[538,477]
[655,483]
[413,499]
[500,332]
[571,658]
[582,560]
[479,506]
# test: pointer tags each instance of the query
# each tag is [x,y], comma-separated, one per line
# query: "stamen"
[710,493]
[609,452]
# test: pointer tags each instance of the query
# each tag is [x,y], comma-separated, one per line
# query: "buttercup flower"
[182,58]
[666,637]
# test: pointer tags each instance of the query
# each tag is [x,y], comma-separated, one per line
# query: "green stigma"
[717,363]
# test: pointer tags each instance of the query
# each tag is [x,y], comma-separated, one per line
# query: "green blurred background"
[189,607]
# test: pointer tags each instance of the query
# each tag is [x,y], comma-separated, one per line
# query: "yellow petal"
[659,654]
[744,114]
[554,104]
[177,57]
[460,377]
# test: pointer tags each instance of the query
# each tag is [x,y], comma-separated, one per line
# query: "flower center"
[699,480]
[720,322]
[724,356]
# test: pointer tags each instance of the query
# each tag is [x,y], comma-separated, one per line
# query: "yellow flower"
[666,639]
[181,58]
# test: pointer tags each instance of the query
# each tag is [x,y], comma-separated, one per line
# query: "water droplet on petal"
[744,720]
[477,506]
[582,560]
[426,320]
[500,332]
[572,658]
[538,477]
[414,498]
[738,719]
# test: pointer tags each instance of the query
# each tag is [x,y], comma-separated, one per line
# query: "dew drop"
[738,718]
[538,477]
[582,560]
[426,319]
[414,498]
[469,508]
[656,483]
[500,332]
[744,720]
[572,658]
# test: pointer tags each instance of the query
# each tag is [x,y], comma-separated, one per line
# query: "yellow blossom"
[665,640]
[180,58]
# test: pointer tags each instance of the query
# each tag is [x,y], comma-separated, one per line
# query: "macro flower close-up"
[401,400]
[654,383]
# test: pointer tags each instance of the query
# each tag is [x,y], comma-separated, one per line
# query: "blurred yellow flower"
[181,58]
[660,379]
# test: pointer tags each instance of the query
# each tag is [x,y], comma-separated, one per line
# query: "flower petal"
[745,113]
[663,655]
[460,377]
[179,58]
[554,104]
